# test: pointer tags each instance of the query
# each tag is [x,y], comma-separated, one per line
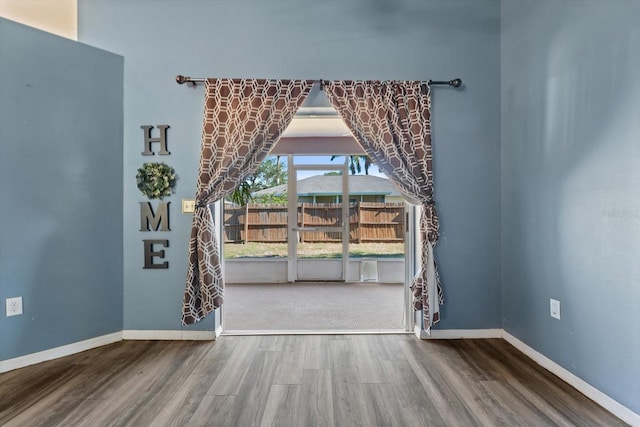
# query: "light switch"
[188,205]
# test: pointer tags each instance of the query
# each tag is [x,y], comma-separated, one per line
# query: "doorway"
[319,295]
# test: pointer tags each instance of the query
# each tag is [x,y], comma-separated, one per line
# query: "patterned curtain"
[392,122]
[243,119]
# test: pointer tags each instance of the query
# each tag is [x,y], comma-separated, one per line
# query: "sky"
[307,160]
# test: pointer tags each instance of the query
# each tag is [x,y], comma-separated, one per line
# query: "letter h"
[162,139]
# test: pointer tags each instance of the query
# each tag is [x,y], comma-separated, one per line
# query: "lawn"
[313,250]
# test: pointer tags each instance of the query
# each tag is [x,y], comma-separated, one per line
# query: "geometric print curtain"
[392,122]
[243,119]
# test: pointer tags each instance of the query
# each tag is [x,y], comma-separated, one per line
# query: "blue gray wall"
[571,186]
[356,39]
[60,190]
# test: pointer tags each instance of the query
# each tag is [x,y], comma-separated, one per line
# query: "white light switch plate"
[188,205]
[554,308]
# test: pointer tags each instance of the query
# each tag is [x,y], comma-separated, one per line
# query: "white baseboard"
[57,352]
[77,347]
[132,334]
[317,332]
[454,334]
[611,405]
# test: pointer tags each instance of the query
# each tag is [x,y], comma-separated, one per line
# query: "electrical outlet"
[554,308]
[188,205]
[14,306]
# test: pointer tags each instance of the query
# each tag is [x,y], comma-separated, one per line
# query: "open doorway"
[325,282]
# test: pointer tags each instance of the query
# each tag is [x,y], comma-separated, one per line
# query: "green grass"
[313,250]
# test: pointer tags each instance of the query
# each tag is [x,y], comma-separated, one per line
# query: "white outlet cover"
[554,308]
[14,306]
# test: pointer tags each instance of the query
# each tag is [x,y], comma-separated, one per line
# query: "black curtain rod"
[193,82]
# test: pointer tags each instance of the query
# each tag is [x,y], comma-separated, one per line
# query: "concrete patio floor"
[313,306]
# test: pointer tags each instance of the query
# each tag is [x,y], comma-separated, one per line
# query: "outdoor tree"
[271,199]
[357,163]
[270,173]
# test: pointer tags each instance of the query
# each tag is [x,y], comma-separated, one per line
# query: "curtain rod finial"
[452,83]
[180,79]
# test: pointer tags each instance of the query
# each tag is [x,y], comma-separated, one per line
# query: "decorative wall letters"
[150,253]
[162,139]
[155,219]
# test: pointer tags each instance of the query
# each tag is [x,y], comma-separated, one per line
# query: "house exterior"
[328,189]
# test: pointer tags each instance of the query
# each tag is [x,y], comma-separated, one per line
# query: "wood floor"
[295,380]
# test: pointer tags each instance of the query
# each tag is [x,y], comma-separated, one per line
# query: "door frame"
[340,145]
[411,254]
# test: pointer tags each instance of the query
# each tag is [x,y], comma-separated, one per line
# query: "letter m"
[150,221]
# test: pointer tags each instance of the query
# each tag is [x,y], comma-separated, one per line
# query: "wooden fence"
[368,222]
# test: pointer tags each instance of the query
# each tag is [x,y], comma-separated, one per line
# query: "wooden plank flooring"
[321,380]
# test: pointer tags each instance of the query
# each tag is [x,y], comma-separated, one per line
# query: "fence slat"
[368,222]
